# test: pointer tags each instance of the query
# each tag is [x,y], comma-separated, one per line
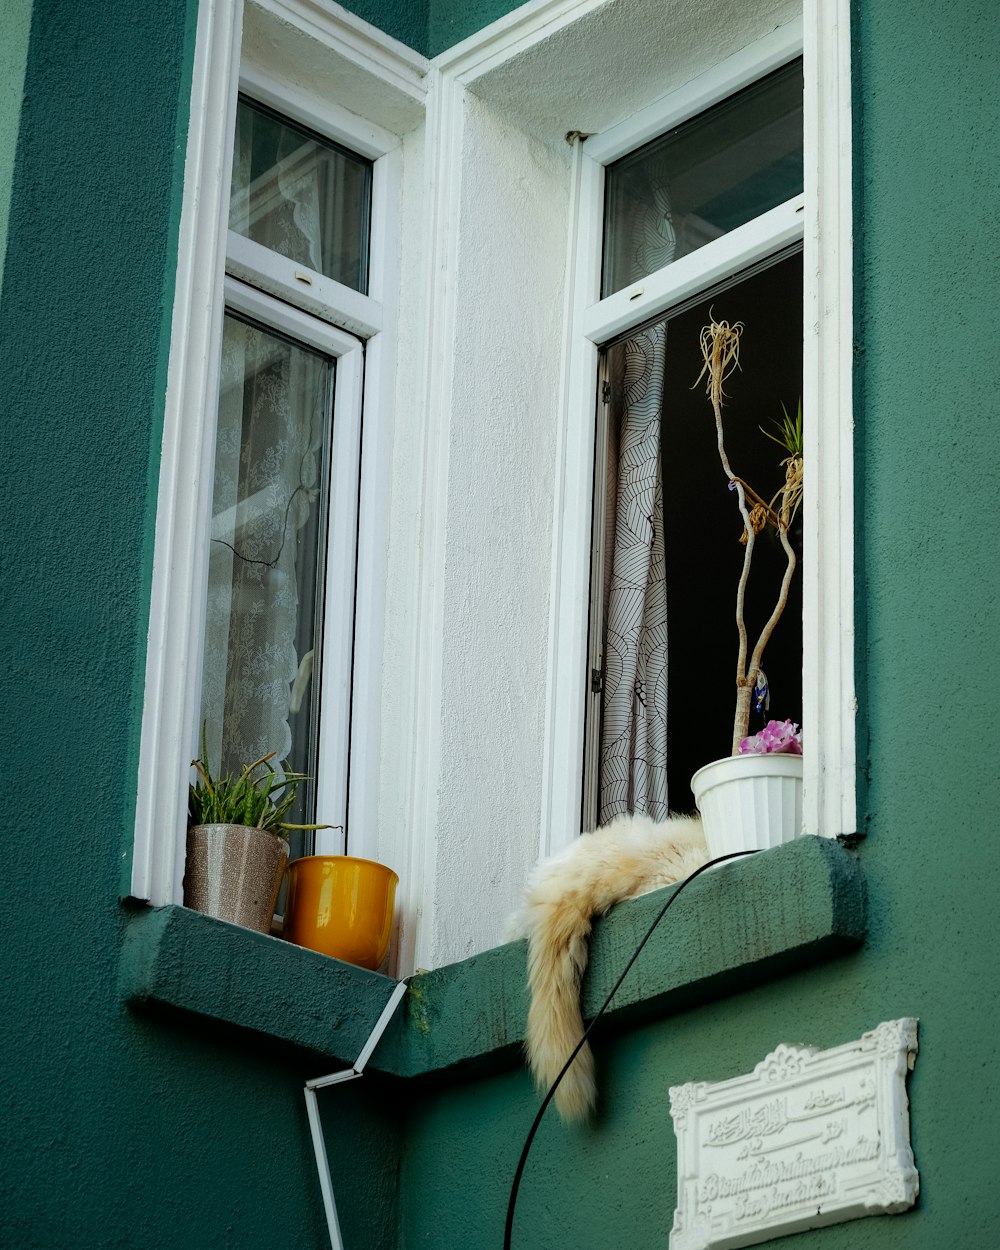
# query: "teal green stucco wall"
[15,26]
[451,21]
[405,22]
[928,439]
[430,26]
[118,1129]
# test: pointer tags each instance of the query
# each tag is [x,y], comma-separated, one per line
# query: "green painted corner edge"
[736,927]
[182,963]
[725,934]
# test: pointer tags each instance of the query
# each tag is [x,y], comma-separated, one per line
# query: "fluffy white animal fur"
[629,856]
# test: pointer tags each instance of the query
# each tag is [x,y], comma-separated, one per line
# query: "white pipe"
[312,1110]
[380,1026]
[323,1166]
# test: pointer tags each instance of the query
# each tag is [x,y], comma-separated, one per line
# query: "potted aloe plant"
[236,853]
[752,799]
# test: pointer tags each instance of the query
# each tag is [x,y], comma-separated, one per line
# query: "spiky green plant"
[789,431]
[245,799]
[788,498]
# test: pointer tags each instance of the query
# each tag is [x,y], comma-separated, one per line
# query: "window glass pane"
[703,178]
[260,689]
[300,196]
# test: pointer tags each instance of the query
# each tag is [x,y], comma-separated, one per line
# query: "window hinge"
[596,680]
[606,392]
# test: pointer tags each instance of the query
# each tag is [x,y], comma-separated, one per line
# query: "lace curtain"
[273,413]
[267,462]
[633,755]
[300,197]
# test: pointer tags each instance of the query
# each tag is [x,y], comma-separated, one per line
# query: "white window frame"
[177,597]
[821,218]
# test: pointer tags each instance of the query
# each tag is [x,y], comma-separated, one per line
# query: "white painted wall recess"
[810,1137]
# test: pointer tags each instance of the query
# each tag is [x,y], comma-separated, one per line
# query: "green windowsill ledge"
[745,923]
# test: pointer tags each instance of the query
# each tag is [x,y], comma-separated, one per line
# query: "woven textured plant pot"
[749,802]
[342,906]
[234,872]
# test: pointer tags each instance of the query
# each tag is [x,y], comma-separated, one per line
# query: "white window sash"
[698,271]
[317,294]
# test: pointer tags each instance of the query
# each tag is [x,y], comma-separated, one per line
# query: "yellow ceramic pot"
[341,906]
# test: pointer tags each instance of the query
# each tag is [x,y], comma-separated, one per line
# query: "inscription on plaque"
[810,1137]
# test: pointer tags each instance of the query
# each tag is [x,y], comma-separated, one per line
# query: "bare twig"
[720,349]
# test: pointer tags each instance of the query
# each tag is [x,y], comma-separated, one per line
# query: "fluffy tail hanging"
[627,857]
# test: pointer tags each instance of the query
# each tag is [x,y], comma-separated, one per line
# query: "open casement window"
[701,220]
[276,670]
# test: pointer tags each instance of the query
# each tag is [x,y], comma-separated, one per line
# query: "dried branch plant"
[720,349]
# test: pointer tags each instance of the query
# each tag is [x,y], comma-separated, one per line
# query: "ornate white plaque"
[810,1137]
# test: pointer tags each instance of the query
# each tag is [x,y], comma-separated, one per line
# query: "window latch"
[596,680]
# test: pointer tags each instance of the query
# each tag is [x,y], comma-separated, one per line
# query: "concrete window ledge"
[189,965]
[745,923]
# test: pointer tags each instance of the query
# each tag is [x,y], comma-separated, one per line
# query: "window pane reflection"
[260,687]
[300,196]
[703,178]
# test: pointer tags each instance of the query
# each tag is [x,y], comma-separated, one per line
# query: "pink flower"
[777,737]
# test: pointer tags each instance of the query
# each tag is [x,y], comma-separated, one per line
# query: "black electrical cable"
[509,1227]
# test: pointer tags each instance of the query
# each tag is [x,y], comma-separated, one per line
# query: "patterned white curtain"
[633,756]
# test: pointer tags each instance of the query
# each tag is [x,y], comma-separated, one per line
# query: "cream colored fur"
[629,856]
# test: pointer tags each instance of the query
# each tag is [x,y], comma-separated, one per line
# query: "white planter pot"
[749,802]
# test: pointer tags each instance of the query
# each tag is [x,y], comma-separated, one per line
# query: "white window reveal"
[666,555]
